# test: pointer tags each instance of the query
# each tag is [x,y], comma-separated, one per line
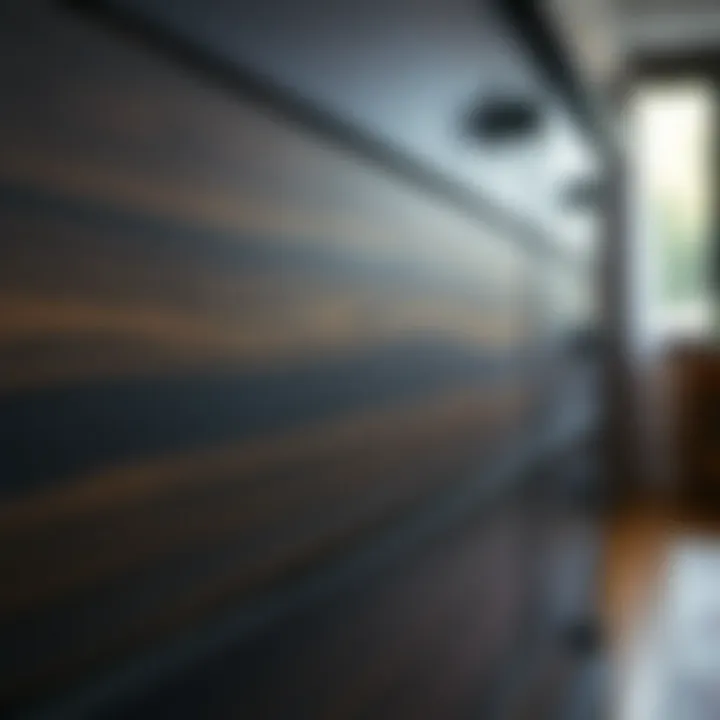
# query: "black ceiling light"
[504,118]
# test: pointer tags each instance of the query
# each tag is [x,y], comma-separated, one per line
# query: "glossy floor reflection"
[663,612]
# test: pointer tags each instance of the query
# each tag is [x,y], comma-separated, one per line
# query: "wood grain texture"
[413,644]
[230,352]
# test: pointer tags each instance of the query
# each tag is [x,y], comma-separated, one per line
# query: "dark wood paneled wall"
[427,639]
[231,353]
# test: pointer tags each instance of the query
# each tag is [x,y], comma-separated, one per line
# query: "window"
[673,148]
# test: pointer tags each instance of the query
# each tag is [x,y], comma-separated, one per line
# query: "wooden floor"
[638,543]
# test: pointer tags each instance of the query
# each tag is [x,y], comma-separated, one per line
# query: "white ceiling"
[602,32]
[668,25]
[665,6]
